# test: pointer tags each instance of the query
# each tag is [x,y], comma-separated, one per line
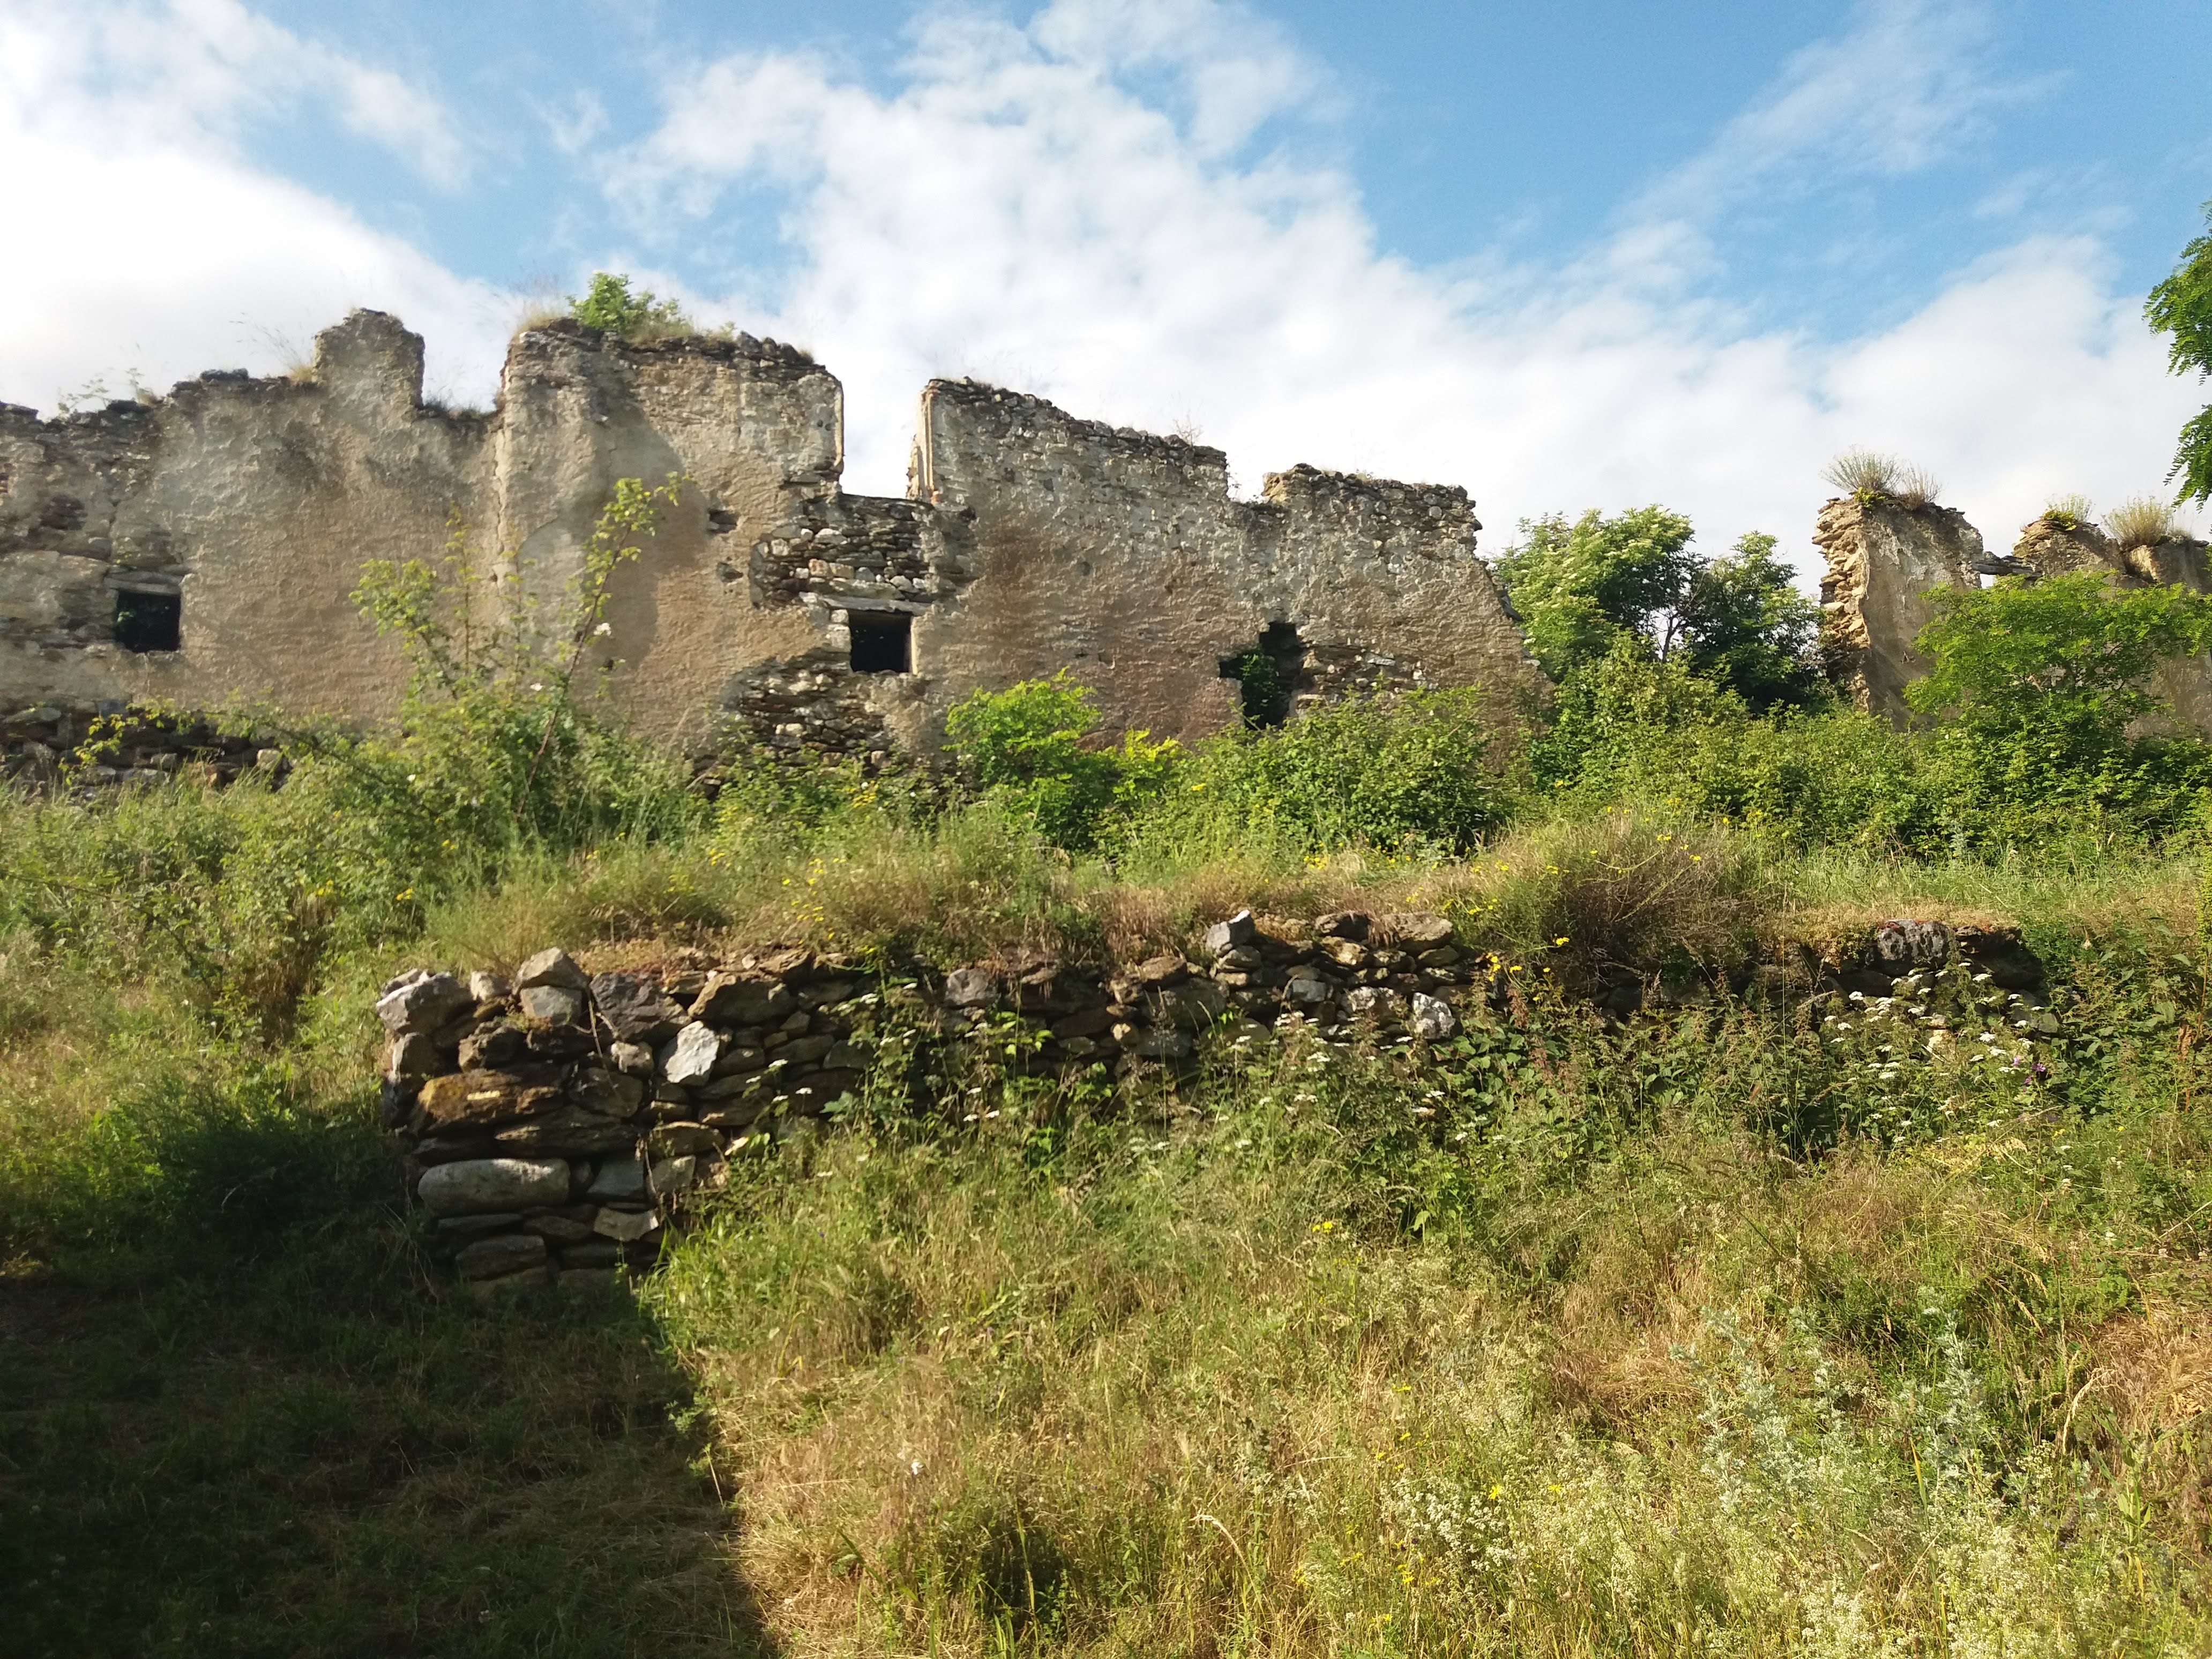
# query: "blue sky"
[1569,254]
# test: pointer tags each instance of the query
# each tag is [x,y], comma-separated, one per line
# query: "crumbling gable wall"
[768,600]
[1883,557]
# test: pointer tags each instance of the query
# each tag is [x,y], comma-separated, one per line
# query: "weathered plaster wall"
[1034,541]
[1883,557]
[1122,555]
[256,501]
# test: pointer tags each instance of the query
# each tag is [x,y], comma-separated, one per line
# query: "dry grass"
[2144,521]
[1866,474]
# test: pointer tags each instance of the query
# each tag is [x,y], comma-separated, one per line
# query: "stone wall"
[553,1121]
[1882,558]
[201,548]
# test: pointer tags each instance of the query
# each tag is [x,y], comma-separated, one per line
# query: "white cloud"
[147,246]
[1026,207]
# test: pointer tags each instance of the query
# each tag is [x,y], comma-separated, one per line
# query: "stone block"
[1420,930]
[1343,924]
[473,1098]
[970,987]
[625,1226]
[690,1059]
[421,1002]
[1224,937]
[550,968]
[500,1255]
[484,1185]
[1432,1019]
[554,1005]
[635,1008]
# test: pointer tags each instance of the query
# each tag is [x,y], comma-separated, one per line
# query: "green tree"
[610,304]
[2182,305]
[1580,587]
[1746,626]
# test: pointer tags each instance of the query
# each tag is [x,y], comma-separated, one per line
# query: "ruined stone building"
[1884,557]
[201,548]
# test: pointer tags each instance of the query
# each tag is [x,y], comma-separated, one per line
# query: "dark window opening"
[1268,673]
[149,622]
[883,641]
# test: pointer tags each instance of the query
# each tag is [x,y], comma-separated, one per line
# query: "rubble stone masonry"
[201,548]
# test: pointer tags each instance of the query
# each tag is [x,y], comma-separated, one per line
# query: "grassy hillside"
[1745,1325]
[1674,1337]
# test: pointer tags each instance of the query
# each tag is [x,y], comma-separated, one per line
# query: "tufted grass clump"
[1867,475]
[2069,512]
[2144,521]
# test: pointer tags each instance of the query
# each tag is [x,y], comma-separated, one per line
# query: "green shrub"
[1425,772]
[609,304]
[2037,684]
[1029,748]
[1631,730]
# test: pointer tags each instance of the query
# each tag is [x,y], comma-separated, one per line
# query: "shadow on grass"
[245,1422]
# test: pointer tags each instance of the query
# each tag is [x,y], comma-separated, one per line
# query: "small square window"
[883,641]
[149,622]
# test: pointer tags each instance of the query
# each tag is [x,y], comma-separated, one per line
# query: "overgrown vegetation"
[1721,1330]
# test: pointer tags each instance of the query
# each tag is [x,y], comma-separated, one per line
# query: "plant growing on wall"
[1030,747]
[610,305]
[2182,305]
[2039,683]
[495,740]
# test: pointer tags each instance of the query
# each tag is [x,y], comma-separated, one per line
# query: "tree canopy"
[1590,589]
[2182,305]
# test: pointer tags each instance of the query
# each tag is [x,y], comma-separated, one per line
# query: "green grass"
[1695,1339]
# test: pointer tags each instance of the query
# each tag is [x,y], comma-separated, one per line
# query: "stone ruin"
[1884,557]
[199,549]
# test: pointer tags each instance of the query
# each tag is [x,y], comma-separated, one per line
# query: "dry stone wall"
[201,548]
[555,1120]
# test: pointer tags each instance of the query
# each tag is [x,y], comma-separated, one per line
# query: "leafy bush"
[1028,747]
[609,304]
[2039,684]
[1631,730]
[1426,772]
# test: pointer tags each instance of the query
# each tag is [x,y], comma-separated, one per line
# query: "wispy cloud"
[189,70]
[167,251]
[1907,85]
[1026,205]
